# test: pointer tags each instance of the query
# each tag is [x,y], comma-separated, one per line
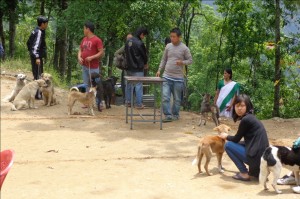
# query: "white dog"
[21,81]
[27,95]
[276,157]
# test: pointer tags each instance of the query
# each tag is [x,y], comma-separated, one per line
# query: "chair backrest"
[7,158]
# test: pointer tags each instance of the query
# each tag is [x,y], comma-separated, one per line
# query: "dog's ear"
[42,75]
[216,128]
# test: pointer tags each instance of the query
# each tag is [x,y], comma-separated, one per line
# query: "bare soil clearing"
[58,156]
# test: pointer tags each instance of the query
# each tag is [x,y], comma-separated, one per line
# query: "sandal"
[239,177]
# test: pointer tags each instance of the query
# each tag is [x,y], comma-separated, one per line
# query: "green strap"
[229,97]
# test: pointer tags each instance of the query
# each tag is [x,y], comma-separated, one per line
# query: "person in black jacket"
[136,57]
[36,45]
[255,142]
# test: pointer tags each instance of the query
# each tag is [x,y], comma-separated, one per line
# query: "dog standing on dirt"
[48,92]
[21,82]
[206,108]
[27,95]
[87,99]
[99,89]
[276,157]
[109,90]
[211,144]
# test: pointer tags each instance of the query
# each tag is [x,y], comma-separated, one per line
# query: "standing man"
[90,51]
[175,57]
[36,45]
[120,61]
[136,57]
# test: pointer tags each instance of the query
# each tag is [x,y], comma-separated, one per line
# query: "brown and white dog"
[276,157]
[48,92]
[206,108]
[211,144]
[87,99]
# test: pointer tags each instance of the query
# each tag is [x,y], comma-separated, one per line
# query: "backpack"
[120,61]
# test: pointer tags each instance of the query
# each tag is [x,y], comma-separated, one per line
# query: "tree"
[13,19]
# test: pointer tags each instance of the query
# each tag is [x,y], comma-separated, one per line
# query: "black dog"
[99,89]
[109,90]
[105,89]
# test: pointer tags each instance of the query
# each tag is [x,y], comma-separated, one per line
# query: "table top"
[144,79]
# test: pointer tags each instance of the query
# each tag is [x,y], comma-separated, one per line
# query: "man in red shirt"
[90,51]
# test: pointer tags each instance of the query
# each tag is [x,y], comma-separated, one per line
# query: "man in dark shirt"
[36,45]
[136,57]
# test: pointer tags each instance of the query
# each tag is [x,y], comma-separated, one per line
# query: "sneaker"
[167,119]
[296,189]
[286,180]
[175,118]
[140,106]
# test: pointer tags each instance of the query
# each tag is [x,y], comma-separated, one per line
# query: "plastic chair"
[7,159]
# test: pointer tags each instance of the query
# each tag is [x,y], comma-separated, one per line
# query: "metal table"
[147,80]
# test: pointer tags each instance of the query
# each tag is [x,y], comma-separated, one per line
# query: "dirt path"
[78,157]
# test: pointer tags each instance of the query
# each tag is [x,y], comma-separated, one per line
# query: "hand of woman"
[223,135]
[228,108]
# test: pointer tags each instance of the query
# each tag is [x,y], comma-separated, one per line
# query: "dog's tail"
[196,160]
[74,88]
[13,108]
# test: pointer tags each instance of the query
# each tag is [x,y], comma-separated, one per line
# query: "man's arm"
[96,56]
[36,46]
[80,60]
[163,62]
[188,60]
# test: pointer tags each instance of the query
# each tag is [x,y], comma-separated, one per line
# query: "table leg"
[126,104]
[131,108]
[161,106]
[154,104]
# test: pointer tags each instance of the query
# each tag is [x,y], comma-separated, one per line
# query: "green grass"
[21,65]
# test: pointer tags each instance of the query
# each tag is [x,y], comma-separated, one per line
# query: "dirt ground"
[83,157]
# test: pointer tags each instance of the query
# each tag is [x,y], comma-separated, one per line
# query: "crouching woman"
[249,151]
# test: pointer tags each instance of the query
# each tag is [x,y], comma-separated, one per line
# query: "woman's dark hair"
[249,106]
[177,31]
[41,19]
[167,40]
[141,30]
[229,71]
[90,26]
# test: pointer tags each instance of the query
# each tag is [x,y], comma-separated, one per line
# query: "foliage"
[232,34]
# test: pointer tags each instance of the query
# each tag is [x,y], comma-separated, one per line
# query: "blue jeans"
[237,153]
[176,88]
[86,75]
[138,87]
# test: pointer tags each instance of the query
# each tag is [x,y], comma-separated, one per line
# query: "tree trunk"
[63,53]
[277,61]
[56,53]
[69,59]
[2,34]
[42,8]
[12,17]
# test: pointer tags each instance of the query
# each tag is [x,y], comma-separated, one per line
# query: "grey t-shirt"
[172,54]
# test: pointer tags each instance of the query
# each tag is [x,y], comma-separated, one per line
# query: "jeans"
[86,78]
[176,88]
[86,75]
[137,86]
[237,154]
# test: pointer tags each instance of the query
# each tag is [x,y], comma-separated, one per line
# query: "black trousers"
[36,70]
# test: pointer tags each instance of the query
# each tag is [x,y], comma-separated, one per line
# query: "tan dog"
[48,92]
[87,99]
[206,108]
[211,144]
[27,95]
[21,82]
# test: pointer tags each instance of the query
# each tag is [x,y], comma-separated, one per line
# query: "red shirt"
[89,47]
